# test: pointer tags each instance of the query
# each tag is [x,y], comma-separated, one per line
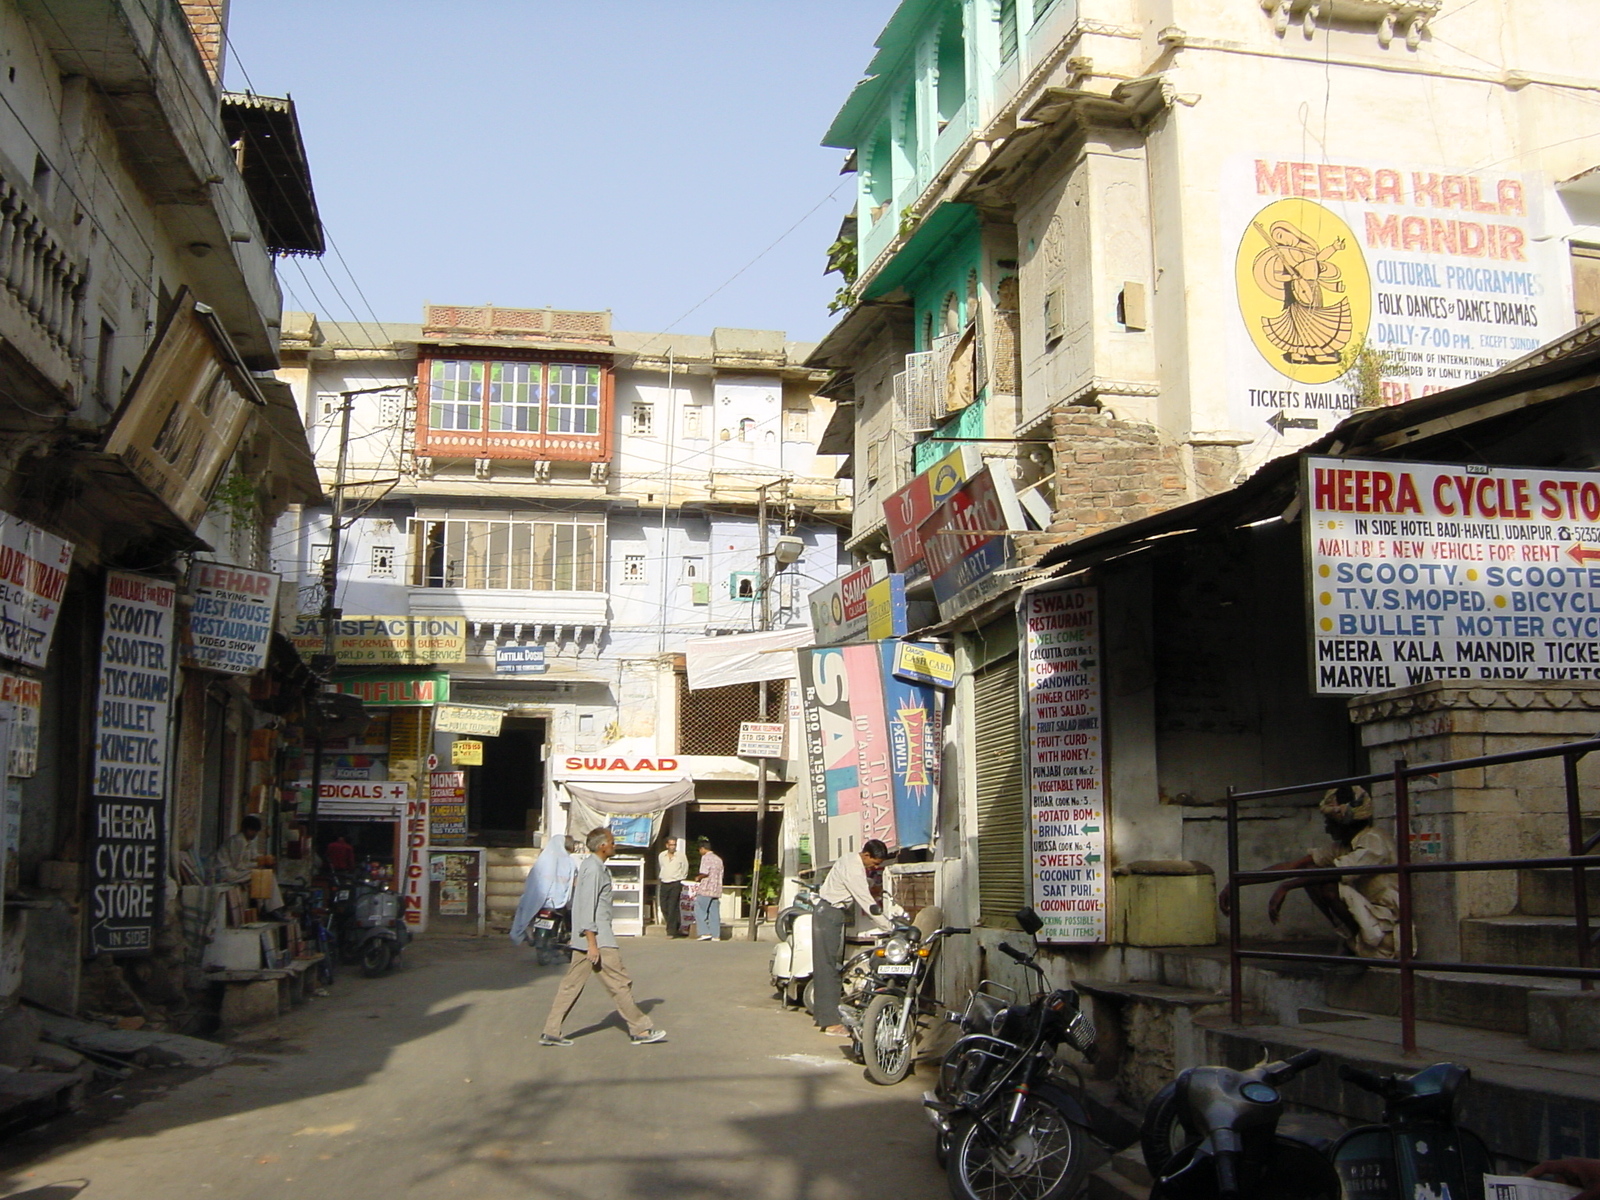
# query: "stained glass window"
[514,397]
[574,399]
[456,395]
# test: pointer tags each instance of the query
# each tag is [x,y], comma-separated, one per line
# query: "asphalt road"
[430,1083]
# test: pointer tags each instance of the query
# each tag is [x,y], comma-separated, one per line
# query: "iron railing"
[1578,859]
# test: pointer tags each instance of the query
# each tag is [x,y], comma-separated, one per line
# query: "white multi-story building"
[556,486]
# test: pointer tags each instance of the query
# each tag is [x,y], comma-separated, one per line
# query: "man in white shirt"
[846,887]
[672,868]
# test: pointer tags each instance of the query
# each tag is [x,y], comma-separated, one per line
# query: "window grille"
[546,555]
[694,423]
[644,418]
[383,562]
[708,718]
[633,568]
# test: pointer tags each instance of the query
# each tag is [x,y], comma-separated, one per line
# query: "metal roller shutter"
[1002,796]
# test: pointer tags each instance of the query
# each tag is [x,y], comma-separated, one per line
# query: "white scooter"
[791,957]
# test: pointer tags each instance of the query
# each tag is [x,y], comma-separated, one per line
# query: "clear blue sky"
[621,154]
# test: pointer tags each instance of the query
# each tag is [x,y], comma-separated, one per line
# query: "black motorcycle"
[1010,1127]
[1419,1149]
[884,1016]
[549,932]
[367,924]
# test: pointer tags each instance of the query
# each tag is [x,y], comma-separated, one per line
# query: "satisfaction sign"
[1422,571]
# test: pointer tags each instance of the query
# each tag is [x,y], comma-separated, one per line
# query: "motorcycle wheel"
[1162,1133]
[809,997]
[1042,1158]
[376,957]
[885,1055]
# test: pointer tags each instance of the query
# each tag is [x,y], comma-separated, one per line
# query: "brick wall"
[207,21]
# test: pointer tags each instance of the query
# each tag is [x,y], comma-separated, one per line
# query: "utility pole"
[765,597]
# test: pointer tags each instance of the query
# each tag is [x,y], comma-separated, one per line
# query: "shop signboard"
[615,766]
[905,510]
[886,608]
[967,544]
[466,753]
[868,737]
[447,806]
[1446,273]
[361,800]
[414,865]
[630,830]
[1066,763]
[397,691]
[130,762]
[231,618]
[33,578]
[519,660]
[482,720]
[761,739]
[26,697]
[923,664]
[398,640]
[1423,571]
[839,609]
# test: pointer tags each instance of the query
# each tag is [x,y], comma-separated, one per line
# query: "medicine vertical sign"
[130,763]
[1423,571]
[1065,754]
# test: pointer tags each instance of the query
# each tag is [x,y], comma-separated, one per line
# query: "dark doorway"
[733,834]
[505,796]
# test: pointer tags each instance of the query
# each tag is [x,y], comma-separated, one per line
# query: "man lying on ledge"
[1362,908]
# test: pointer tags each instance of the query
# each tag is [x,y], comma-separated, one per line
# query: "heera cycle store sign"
[130,762]
[1066,762]
[1421,571]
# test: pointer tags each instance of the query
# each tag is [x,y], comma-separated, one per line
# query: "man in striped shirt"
[708,895]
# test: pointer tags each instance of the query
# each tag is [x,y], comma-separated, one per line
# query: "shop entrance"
[505,796]
[734,836]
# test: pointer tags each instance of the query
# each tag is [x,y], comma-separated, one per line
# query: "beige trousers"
[615,978]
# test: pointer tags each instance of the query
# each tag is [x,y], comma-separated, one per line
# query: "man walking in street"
[672,868]
[708,895]
[845,887]
[597,950]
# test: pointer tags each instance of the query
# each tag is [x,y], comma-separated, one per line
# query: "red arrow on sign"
[1580,555]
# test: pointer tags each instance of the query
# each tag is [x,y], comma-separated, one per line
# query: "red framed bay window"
[514,404]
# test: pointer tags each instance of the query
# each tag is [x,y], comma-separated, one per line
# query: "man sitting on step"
[1362,908]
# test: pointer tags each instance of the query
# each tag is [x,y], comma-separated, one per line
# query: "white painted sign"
[617,767]
[1066,763]
[33,578]
[761,739]
[230,619]
[1421,571]
[479,719]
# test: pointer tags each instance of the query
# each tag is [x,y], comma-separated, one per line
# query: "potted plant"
[769,891]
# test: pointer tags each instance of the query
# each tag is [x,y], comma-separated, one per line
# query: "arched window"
[747,426]
[951,318]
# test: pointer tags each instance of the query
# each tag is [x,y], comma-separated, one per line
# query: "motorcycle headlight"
[897,950]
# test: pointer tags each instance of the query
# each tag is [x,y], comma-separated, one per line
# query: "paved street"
[430,1083]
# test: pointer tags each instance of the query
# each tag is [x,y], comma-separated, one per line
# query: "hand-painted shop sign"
[1422,571]
[447,805]
[1066,762]
[761,739]
[924,664]
[130,762]
[27,697]
[397,691]
[519,660]
[399,639]
[465,753]
[616,767]
[33,578]
[967,544]
[231,618]
[839,609]
[480,719]
[886,608]
[905,510]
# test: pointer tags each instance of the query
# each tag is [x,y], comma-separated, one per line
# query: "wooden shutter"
[1002,797]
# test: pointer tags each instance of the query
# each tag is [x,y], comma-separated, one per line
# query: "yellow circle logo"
[1303,288]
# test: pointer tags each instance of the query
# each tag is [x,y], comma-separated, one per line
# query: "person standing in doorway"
[708,896]
[846,887]
[596,944]
[672,868]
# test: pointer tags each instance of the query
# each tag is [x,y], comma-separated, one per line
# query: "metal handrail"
[1577,859]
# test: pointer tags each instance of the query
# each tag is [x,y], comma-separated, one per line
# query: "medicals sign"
[1444,273]
[1066,762]
[1422,571]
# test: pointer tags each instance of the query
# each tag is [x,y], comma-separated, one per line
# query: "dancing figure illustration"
[1293,270]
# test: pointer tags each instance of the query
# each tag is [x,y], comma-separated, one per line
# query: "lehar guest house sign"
[1422,571]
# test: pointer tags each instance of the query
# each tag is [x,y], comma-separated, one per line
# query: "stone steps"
[1492,1002]
[1548,892]
[1534,941]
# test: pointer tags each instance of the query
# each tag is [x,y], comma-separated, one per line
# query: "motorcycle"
[884,1016]
[367,924]
[1215,1133]
[1008,1125]
[548,933]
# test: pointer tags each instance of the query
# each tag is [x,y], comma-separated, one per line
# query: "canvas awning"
[744,657]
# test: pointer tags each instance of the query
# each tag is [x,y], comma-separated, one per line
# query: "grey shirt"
[591,905]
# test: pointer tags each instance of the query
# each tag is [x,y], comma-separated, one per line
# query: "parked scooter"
[1009,1126]
[548,933]
[1418,1151]
[791,958]
[367,923]
[884,1017]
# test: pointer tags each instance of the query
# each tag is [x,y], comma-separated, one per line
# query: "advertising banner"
[966,544]
[886,608]
[447,806]
[1066,763]
[1420,571]
[865,672]
[130,762]
[839,609]
[33,578]
[230,619]
[911,711]
[905,510]
[1443,273]
[399,640]
[397,691]
[923,664]
[464,753]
